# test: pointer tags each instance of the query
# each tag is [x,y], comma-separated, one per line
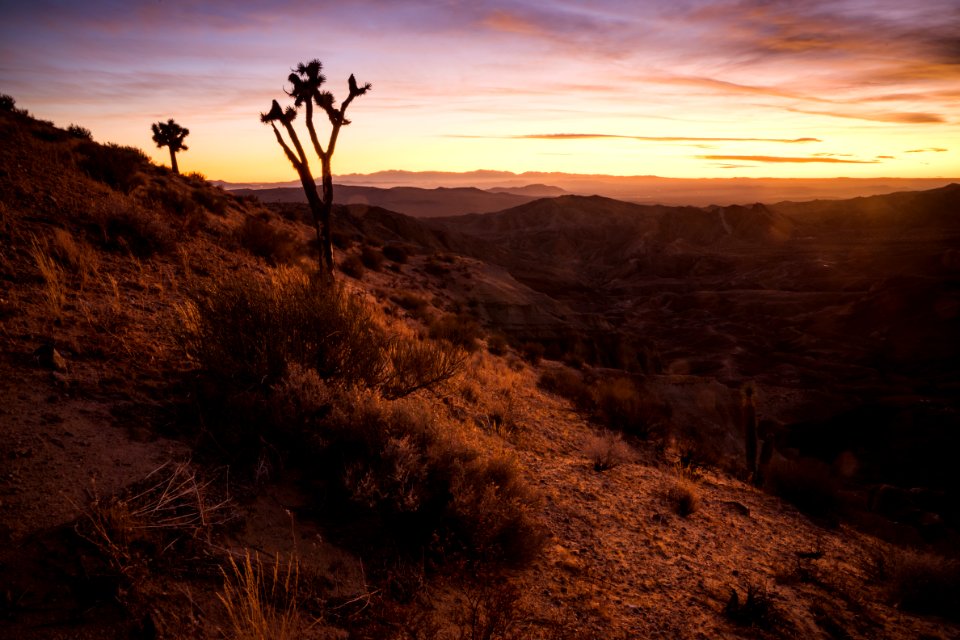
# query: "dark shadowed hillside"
[830,307]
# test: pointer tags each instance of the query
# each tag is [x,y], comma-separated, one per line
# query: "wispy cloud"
[601,136]
[784,159]
[898,118]
[930,150]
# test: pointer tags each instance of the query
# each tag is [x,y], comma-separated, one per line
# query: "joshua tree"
[748,414]
[307,80]
[170,134]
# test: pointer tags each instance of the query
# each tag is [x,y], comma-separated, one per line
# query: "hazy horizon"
[696,89]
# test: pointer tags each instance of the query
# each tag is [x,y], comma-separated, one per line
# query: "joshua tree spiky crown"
[306,81]
[170,134]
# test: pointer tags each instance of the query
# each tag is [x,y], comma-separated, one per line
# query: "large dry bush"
[118,166]
[460,330]
[264,239]
[397,461]
[248,331]
[248,328]
[121,223]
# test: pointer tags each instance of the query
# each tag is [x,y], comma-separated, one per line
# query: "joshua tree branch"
[290,156]
[313,131]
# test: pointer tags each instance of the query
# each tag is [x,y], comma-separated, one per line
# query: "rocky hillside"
[199,439]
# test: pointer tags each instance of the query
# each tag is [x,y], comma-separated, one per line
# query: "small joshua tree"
[307,80]
[748,415]
[170,134]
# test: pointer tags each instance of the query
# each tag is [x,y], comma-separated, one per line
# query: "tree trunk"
[326,240]
[173,161]
[316,209]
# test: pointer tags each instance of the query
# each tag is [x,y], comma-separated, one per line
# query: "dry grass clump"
[683,494]
[54,284]
[607,450]
[263,239]
[261,602]
[153,517]
[75,254]
[757,609]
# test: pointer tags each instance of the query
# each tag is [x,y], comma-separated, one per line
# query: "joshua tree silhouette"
[170,134]
[307,80]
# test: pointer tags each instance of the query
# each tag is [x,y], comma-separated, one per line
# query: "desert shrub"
[921,582]
[175,204]
[411,302]
[683,495]
[420,364]
[460,330]
[533,352]
[7,102]
[432,492]
[77,131]
[212,199]
[264,240]
[395,253]
[435,268]
[247,328]
[500,415]
[352,265]
[341,240]
[121,223]
[567,383]
[755,610]
[618,405]
[607,450]
[497,344]
[371,258]
[117,166]
[807,484]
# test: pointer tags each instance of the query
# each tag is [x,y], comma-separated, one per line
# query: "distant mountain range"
[417,202]
[638,189]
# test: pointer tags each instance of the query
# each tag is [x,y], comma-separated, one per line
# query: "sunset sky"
[680,88]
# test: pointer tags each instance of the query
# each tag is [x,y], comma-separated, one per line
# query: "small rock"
[48,357]
[737,507]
